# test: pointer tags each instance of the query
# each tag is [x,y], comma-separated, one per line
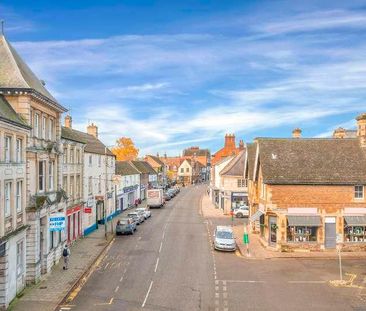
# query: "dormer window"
[359,189]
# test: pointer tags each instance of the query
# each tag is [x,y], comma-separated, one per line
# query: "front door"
[330,232]
[272,230]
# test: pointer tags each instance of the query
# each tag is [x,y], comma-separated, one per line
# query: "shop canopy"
[256,215]
[355,220]
[308,220]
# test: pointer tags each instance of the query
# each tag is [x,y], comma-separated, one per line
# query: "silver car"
[224,239]
[138,216]
[145,211]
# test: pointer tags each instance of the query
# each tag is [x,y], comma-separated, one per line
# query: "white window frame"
[19,196]
[42,177]
[36,125]
[7,148]
[19,150]
[71,186]
[20,257]
[77,191]
[44,121]
[50,129]
[7,198]
[359,189]
[90,160]
[90,185]
[51,171]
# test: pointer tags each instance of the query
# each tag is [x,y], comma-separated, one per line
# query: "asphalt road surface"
[169,264]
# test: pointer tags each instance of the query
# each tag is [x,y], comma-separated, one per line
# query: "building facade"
[160,168]
[13,138]
[215,181]
[310,193]
[72,179]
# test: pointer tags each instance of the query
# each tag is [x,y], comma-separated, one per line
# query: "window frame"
[42,177]
[7,198]
[19,196]
[20,257]
[19,150]
[302,235]
[7,148]
[90,185]
[359,191]
[43,127]
[36,125]
[51,177]
[50,128]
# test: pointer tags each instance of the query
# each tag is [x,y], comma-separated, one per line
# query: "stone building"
[233,190]
[39,109]
[310,193]
[72,179]
[13,139]
[160,168]
[189,172]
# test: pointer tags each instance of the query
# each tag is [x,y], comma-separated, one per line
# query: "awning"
[311,221]
[256,215]
[355,220]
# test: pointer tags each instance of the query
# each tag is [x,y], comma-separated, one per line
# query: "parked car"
[241,211]
[145,211]
[224,239]
[138,217]
[167,197]
[171,192]
[125,226]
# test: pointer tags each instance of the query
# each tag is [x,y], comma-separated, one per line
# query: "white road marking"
[121,279]
[125,270]
[106,266]
[156,265]
[147,294]
[244,281]
[163,235]
[161,245]
[307,282]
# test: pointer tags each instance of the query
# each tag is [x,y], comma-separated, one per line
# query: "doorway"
[272,230]
[330,240]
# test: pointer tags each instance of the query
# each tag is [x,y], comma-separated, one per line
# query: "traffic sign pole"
[246,239]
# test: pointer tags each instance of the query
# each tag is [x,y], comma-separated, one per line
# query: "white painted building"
[215,181]
[128,185]
[13,137]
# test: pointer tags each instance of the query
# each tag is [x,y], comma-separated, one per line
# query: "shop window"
[355,233]
[300,234]
[90,160]
[359,192]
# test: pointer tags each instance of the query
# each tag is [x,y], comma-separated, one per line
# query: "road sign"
[57,221]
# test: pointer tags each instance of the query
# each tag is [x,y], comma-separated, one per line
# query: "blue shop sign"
[57,222]
[130,188]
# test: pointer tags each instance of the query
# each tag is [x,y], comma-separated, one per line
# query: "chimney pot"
[92,129]
[68,121]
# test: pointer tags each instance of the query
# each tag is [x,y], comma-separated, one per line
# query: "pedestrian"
[66,254]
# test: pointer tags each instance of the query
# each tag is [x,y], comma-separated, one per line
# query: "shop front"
[74,223]
[130,192]
[238,199]
[143,191]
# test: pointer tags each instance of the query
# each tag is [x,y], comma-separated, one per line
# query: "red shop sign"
[87,210]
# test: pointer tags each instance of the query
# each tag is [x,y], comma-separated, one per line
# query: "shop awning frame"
[355,220]
[304,220]
[256,215]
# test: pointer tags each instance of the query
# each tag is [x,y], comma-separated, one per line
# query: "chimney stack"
[296,133]
[339,133]
[68,121]
[230,141]
[92,129]
[361,129]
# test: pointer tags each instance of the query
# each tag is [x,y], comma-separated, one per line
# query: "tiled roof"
[93,145]
[156,159]
[198,152]
[312,161]
[149,168]
[15,73]
[236,166]
[125,168]
[71,134]
[142,167]
[8,114]
[252,149]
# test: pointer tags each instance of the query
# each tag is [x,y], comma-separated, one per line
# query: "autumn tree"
[125,149]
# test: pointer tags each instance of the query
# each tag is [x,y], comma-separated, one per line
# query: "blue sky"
[172,74]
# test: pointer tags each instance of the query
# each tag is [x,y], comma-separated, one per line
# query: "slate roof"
[15,73]
[236,166]
[252,149]
[125,168]
[142,167]
[8,114]
[93,145]
[312,161]
[149,168]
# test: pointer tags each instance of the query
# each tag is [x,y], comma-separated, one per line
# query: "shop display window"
[355,233]
[299,234]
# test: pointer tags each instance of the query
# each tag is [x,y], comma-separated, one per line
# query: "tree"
[125,149]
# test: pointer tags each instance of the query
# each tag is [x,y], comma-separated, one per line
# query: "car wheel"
[240,215]
[132,232]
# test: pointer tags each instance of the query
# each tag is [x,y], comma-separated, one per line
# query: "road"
[169,264]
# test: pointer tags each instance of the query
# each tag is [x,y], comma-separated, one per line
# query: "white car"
[241,211]
[145,211]
[224,239]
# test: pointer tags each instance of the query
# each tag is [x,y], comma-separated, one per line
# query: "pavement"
[51,290]
[170,264]
[255,249]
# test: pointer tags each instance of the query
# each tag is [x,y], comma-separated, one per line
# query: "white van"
[224,239]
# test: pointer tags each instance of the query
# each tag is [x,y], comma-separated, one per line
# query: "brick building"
[309,193]
[229,149]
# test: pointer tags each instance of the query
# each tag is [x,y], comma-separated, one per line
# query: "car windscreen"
[132,215]
[123,222]
[224,235]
